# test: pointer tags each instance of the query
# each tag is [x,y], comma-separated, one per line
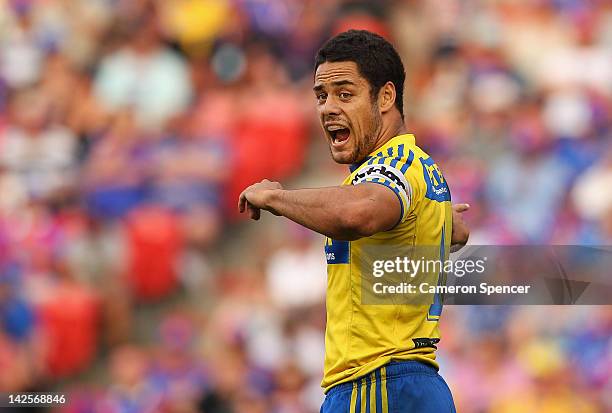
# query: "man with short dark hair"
[379,358]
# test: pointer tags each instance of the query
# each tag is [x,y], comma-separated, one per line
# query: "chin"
[343,158]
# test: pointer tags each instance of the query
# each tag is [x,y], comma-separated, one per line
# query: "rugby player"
[378,358]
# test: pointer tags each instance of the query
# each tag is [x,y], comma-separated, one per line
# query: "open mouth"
[339,135]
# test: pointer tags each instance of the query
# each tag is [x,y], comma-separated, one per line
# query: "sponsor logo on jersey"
[437,189]
[337,252]
[425,342]
[381,171]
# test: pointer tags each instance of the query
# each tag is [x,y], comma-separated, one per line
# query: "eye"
[321,97]
[345,95]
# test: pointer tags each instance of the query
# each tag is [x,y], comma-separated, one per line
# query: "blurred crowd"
[129,127]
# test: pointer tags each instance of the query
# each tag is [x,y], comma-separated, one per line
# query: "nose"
[330,107]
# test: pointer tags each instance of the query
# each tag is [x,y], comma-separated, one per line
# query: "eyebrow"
[336,84]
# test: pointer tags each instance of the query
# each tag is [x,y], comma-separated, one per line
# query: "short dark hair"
[377,60]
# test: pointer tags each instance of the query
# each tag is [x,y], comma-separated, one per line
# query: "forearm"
[337,212]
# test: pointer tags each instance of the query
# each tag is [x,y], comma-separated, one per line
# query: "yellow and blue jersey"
[360,338]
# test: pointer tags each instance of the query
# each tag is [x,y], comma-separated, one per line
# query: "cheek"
[355,115]
[364,120]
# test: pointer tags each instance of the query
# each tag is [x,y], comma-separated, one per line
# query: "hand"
[255,198]
[461,232]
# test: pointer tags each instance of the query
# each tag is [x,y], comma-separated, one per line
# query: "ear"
[386,97]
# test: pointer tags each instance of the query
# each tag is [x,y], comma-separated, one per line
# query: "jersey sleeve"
[395,174]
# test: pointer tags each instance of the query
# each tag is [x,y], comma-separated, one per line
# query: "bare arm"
[340,212]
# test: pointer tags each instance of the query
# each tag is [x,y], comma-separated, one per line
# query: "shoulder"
[399,161]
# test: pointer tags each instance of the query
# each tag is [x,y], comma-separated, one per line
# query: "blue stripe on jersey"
[435,310]
[390,151]
[358,401]
[379,384]
[337,252]
[353,167]
[394,162]
[368,386]
[408,162]
[400,155]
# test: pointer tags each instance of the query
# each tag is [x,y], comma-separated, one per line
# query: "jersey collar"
[406,137]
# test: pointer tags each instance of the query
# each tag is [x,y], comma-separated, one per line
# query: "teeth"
[334,128]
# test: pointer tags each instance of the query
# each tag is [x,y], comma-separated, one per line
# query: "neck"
[390,130]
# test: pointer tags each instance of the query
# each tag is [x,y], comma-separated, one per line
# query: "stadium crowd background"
[128,128]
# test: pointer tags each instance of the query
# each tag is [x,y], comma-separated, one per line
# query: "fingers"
[254,213]
[241,202]
[461,207]
[461,231]
[254,194]
[245,205]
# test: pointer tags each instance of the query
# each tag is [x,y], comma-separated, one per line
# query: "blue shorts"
[398,387]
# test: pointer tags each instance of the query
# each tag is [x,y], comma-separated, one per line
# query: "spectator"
[144,75]
[38,152]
